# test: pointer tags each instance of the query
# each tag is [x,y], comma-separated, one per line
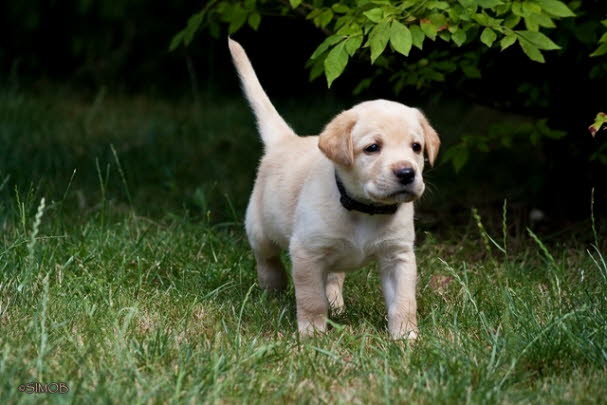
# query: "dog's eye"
[372,148]
[416,147]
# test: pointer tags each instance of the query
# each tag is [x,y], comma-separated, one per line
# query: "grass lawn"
[133,282]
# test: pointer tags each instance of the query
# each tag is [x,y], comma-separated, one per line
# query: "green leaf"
[511,21]
[556,8]
[467,3]
[312,15]
[482,19]
[489,3]
[438,20]
[439,5]
[488,37]
[417,35]
[363,85]
[470,70]
[324,18]
[530,8]
[459,37]
[353,43]
[350,29]
[539,40]
[458,13]
[176,41]
[458,155]
[600,51]
[542,20]
[599,120]
[214,29]
[193,25]
[295,3]
[507,41]
[340,8]
[429,29]
[531,25]
[541,126]
[379,39]
[318,68]
[517,9]
[336,62]
[332,40]
[400,38]
[254,20]
[237,18]
[375,14]
[531,51]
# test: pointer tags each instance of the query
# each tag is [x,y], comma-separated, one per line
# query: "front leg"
[309,279]
[398,279]
[335,285]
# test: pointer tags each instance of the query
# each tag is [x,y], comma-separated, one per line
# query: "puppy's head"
[378,148]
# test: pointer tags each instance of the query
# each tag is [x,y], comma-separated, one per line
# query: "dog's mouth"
[390,193]
[396,197]
[403,195]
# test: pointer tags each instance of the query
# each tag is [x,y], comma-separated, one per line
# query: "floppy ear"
[430,138]
[335,141]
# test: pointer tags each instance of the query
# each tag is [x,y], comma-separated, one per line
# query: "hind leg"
[271,274]
[270,270]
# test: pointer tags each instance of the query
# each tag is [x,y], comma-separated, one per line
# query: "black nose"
[405,175]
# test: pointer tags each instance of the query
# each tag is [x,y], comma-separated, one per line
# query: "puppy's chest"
[356,248]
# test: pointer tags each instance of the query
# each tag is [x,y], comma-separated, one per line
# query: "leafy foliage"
[502,135]
[427,44]
[602,49]
[375,27]
[599,120]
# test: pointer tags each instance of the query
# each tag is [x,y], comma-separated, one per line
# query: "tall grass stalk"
[30,262]
[42,326]
[122,176]
[593,222]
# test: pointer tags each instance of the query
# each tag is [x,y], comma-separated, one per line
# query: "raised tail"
[271,125]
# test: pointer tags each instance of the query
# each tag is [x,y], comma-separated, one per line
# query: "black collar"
[351,204]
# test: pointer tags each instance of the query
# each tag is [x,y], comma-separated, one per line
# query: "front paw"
[405,335]
[336,303]
[403,328]
[338,310]
[309,329]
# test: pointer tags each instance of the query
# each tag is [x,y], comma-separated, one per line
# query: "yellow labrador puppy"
[337,201]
